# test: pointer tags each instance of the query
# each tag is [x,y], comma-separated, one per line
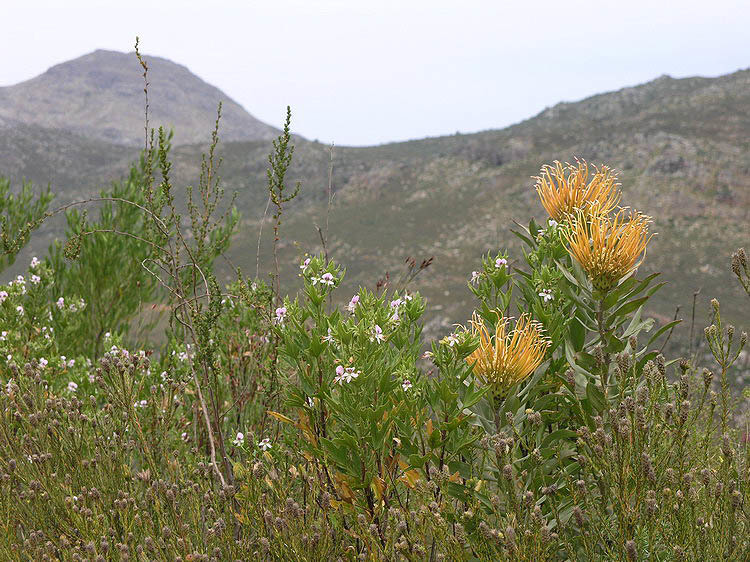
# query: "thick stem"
[602,328]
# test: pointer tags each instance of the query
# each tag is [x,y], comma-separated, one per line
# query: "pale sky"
[362,73]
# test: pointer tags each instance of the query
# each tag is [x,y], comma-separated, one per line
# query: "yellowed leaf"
[410,478]
[378,487]
[280,417]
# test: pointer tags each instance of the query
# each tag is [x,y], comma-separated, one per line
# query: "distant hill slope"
[682,147]
[100,96]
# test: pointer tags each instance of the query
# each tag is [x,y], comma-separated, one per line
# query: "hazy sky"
[359,73]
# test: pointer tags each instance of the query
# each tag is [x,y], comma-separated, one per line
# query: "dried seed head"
[578,515]
[265,545]
[629,404]
[726,446]
[640,417]
[599,355]
[736,499]
[737,265]
[528,498]
[631,551]
[684,387]
[661,365]
[623,362]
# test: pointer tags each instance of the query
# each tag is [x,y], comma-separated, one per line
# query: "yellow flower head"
[607,247]
[566,189]
[507,358]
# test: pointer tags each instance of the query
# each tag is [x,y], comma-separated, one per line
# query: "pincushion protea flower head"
[566,189]
[607,247]
[506,358]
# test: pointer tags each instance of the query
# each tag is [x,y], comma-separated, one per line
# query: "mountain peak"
[100,96]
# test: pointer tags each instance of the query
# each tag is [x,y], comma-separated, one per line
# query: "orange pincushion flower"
[566,189]
[506,358]
[607,247]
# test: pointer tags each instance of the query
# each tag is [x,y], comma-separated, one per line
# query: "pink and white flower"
[345,375]
[547,295]
[280,315]
[352,304]
[329,338]
[450,340]
[377,334]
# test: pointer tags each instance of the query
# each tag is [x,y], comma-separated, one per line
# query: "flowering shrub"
[31,326]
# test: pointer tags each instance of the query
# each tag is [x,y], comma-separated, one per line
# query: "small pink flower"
[352,304]
[377,334]
[345,375]
[280,315]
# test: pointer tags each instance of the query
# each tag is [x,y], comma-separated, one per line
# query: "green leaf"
[559,435]
[596,397]
[524,238]
[629,307]
[663,329]
[577,334]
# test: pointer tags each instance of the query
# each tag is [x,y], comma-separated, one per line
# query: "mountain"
[681,146]
[100,97]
